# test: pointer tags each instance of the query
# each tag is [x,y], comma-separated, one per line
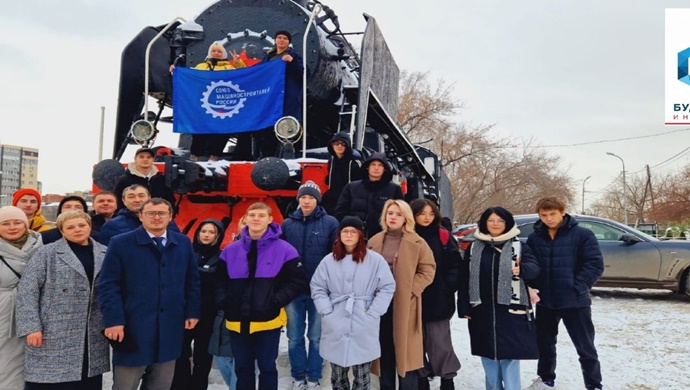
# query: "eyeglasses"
[348,232]
[338,143]
[151,214]
[496,222]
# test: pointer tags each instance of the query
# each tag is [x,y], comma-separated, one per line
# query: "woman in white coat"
[17,244]
[351,288]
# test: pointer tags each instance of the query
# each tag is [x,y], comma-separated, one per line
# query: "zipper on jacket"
[493,300]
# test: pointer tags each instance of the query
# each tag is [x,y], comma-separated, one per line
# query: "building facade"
[18,169]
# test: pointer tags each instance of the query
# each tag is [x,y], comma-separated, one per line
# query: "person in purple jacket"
[258,275]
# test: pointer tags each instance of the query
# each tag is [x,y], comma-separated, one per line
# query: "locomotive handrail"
[146,64]
[314,12]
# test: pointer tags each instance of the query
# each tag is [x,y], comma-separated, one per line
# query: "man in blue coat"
[571,262]
[149,294]
[312,232]
[127,219]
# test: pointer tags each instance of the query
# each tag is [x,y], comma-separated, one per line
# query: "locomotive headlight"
[143,131]
[287,129]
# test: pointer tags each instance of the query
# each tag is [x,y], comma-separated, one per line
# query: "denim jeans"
[501,374]
[303,365]
[226,366]
[262,348]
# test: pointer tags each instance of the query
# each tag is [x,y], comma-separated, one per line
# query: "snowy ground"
[642,339]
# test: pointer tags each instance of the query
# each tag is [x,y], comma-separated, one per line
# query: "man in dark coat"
[312,232]
[149,294]
[128,219]
[142,171]
[68,203]
[365,198]
[104,207]
[343,168]
[570,262]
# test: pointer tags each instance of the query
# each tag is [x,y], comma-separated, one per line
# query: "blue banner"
[228,101]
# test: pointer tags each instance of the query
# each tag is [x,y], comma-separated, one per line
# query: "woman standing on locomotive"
[17,244]
[494,298]
[413,267]
[438,299]
[217,59]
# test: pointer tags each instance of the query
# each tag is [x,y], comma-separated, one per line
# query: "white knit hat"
[12,212]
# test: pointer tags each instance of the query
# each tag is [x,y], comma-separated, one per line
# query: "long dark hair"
[418,206]
[358,254]
[501,212]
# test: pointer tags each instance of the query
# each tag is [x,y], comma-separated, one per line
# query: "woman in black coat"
[438,299]
[207,240]
[494,297]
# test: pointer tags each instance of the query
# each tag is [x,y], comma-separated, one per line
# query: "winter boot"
[447,384]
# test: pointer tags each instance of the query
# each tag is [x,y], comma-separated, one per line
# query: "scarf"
[511,289]
[19,243]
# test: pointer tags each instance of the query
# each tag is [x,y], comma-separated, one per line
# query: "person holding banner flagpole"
[217,59]
[292,104]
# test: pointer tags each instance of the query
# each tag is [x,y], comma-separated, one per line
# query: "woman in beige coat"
[413,267]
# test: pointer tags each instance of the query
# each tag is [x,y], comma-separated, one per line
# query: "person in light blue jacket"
[351,288]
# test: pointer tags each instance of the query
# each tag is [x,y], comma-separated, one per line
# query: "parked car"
[631,258]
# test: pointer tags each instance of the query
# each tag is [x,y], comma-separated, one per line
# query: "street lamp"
[625,201]
[583,194]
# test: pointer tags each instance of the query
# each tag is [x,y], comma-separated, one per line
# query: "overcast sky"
[559,72]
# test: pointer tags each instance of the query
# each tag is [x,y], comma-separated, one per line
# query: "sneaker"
[538,384]
[298,385]
[313,386]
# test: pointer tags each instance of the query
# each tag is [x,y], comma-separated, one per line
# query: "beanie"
[284,32]
[26,191]
[72,197]
[309,188]
[355,222]
[11,212]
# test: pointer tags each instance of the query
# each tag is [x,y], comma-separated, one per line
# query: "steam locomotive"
[346,91]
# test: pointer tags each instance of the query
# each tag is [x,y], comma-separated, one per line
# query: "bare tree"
[484,169]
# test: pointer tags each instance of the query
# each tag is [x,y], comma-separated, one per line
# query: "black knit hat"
[309,188]
[355,222]
[72,197]
[283,32]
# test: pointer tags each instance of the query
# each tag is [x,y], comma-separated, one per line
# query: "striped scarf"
[511,290]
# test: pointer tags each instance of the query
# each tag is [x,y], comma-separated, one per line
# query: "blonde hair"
[260,206]
[72,214]
[216,43]
[406,211]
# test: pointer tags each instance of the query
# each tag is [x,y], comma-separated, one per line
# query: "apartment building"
[18,169]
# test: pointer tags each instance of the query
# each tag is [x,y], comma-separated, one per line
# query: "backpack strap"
[444,236]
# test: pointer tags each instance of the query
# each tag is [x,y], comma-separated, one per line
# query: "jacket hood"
[132,168]
[273,232]
[387,170]
[209,248]
[341,136]
[317,213]
[568,223]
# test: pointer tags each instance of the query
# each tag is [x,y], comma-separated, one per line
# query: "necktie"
[159,243]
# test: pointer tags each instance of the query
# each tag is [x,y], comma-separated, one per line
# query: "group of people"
[370,281]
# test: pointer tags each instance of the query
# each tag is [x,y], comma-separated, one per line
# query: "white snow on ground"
[643,339]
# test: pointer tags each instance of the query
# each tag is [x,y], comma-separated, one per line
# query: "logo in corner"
[222,99]
[683,58]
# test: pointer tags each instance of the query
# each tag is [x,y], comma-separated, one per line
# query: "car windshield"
[603,231]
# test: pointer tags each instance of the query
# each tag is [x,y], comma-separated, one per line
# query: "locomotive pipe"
[146,64]
[314,12]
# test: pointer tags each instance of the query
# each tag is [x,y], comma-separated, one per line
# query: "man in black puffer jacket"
[343,168]
[365,198]
[570,262]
